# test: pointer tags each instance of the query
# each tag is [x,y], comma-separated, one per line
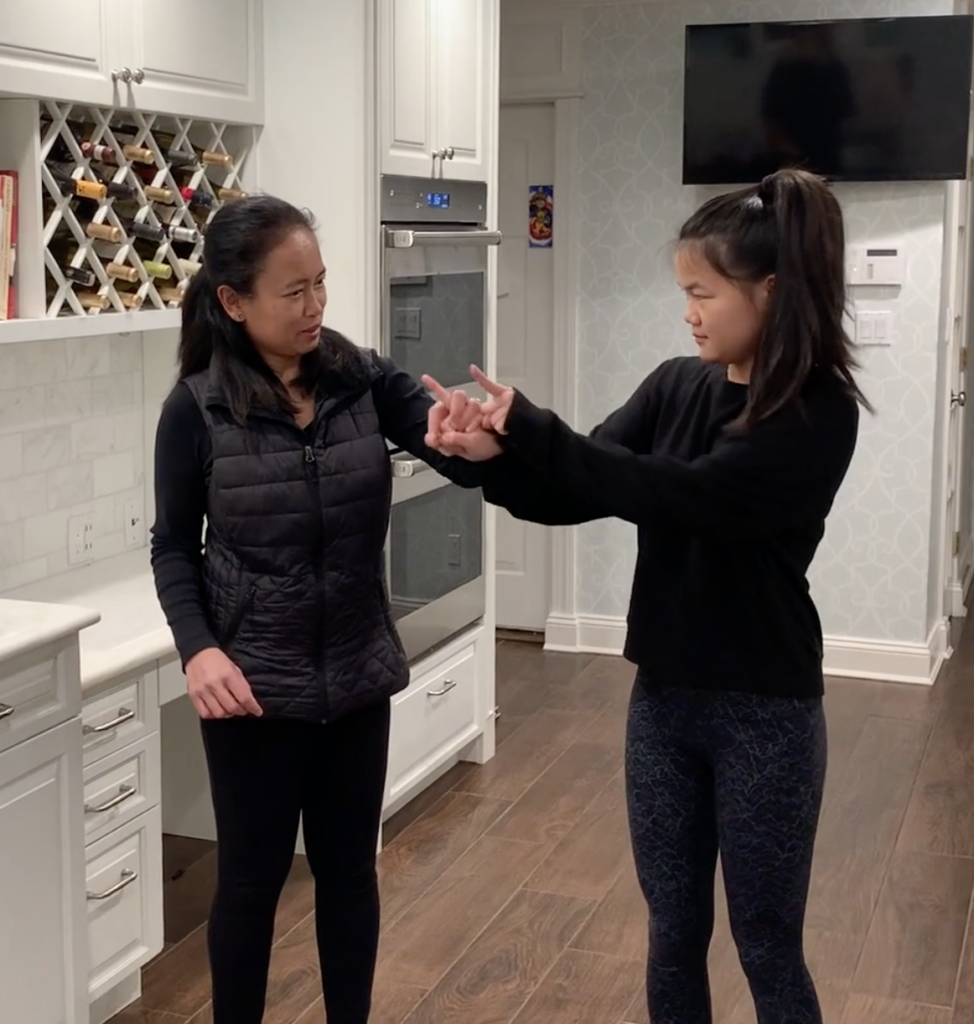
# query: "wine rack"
[126,197]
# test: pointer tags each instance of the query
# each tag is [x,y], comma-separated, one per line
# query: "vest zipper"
[311,461]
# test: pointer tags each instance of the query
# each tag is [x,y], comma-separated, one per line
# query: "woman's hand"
[456,425]
[217,687]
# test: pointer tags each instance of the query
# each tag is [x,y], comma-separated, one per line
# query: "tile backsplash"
[71,444]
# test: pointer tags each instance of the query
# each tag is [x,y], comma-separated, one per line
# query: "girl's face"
[283,315]
[726,316]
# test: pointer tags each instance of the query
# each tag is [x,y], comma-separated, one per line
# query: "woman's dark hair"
[789,226]
[238,241]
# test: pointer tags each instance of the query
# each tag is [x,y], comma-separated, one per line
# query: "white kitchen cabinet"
[181,57]
[63,51]
[200,60]
[438,86]
[43,967]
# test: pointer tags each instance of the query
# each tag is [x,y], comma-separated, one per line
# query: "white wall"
[71,443]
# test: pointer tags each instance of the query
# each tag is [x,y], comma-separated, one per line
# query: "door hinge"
[963,359]
[956,543]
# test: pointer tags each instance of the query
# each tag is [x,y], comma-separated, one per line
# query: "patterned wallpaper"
[870,577]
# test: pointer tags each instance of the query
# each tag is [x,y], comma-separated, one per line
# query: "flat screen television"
[884,99]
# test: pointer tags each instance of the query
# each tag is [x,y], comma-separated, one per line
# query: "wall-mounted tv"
[886,99]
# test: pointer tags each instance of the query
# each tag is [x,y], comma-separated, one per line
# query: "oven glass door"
[435,301]
[434,557]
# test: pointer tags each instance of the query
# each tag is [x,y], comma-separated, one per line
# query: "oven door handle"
[408,239]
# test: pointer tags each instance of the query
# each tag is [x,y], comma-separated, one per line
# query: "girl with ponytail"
[728,465]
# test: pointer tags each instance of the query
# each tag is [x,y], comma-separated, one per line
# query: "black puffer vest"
[293,565]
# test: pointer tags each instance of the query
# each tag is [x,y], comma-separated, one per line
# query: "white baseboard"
[845,657]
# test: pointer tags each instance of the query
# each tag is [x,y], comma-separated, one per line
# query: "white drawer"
[120,714]
[123,887]
[121,786]
[436,715]
[39,690]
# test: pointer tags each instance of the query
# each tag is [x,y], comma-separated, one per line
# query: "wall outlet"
[134,523]
[81,539]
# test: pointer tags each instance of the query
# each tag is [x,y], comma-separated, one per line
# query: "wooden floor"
[509,893]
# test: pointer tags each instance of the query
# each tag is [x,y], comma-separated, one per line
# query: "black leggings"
[264,775]
[743,775]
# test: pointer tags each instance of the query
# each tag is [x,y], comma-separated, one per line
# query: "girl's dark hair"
[238,241]
[789,226]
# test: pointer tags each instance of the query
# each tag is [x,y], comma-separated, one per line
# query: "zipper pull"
[309,454]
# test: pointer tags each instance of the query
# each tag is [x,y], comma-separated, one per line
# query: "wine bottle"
[171,296]
[190,267]
[177,233]
[122,272]
[159,195]
[188,155]
[229,194]
[91,300]
[154,266]
[83,276]
[124,136]
[71,186]
[139,229]
[119,189]
[197,197]
[130,300]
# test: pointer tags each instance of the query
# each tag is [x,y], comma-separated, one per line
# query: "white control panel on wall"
[874,327]
[881,264]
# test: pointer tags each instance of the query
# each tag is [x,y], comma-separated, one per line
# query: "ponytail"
[789,227]
[203,316]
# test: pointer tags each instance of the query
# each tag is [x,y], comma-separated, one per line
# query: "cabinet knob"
[449,153]
[122,75]
[138,76]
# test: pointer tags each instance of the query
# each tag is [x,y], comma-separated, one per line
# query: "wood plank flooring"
[509,895]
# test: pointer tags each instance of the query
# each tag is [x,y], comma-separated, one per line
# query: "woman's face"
[726,316]
[283,315]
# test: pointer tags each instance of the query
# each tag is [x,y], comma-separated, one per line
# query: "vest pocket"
[239,613]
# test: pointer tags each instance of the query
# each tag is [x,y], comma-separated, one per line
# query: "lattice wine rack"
[126,199]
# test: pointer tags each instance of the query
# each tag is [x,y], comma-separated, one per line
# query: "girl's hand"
[496,408]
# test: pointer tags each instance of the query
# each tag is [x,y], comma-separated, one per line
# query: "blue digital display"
[438,200]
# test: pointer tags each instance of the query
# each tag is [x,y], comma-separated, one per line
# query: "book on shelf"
[8,244]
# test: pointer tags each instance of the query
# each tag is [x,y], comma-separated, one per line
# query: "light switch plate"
[874,327]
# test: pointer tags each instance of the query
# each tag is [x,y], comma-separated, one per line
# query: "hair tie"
[767,190]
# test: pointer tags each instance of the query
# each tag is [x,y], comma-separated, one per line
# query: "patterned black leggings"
[742,774]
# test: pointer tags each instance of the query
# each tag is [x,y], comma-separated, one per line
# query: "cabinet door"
[406,87]
[57,50]
[466,98]
[195,59]
[43,959]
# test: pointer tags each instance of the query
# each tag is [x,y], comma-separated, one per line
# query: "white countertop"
[25,625]
[126,626]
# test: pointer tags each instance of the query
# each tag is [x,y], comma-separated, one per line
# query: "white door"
[405,87]
[57,50]
[43,975]
[525,332]
[195,59]
[463,76]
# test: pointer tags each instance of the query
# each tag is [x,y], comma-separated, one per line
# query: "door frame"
[560,628]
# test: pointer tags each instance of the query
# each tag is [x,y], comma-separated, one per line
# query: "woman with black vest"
[275,435]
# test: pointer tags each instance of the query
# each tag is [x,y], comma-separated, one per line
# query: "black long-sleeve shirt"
[728,522]
[182,470]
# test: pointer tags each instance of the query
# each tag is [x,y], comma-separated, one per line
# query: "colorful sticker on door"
[540,207]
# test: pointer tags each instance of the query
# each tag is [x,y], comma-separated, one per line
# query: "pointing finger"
[441,393]
[490,386]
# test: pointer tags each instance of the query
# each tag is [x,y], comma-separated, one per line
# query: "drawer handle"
[124,792]
[124,715]
[128,877]
[6,711]
[448,685]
